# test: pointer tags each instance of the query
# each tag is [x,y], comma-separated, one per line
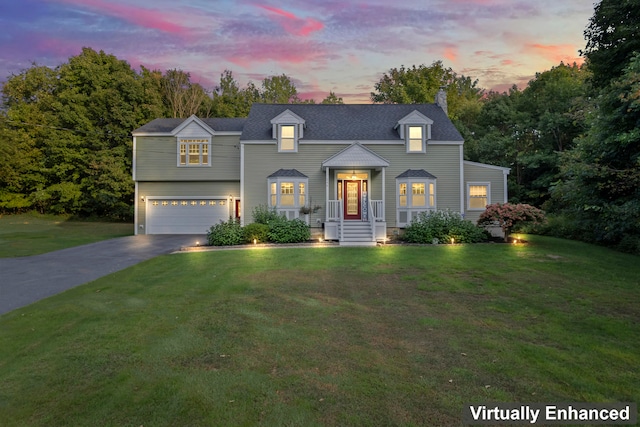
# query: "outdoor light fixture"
[198,243]
[142,198]
[255,241]
[453,240]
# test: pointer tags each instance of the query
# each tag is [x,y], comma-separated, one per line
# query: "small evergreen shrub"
[263,214]
[226,233]
[442,226]
[257,232]
[283,230]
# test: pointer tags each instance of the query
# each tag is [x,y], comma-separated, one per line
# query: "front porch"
[352,216]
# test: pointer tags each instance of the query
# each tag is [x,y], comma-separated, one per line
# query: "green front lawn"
[396,335]
[32,234]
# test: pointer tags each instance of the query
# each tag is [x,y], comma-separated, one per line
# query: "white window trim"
[409,208]
[182,140]
[484,183]
[296,191]
[408,139]
[296,134]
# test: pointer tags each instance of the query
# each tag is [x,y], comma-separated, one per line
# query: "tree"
[71,127]
[279,90]
[418,85]
[601,191]
[332,98]
[182,97]
[613,35]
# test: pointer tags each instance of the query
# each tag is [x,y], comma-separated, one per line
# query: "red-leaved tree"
[509,216]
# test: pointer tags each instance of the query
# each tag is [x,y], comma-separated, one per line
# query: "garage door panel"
[184,216]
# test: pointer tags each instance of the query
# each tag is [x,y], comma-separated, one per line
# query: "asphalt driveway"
[26,280]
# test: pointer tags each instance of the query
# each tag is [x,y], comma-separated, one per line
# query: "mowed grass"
[33,234]
[395,335]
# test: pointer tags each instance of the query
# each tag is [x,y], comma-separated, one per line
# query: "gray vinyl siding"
[157,159]
[261,160]
[478,173]
[220,189]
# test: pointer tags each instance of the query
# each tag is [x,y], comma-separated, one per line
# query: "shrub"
[257,232]
[511,216]
[442,226]
[283,230]
[226,233]
[262,214]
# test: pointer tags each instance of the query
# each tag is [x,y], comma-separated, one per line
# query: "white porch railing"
[341,220]
[376,208]
[333,210]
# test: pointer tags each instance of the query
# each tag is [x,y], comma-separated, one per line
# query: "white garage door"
[184,215]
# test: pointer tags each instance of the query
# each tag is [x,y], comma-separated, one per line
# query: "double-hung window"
[478,195]
[416,191]
[194,152]
[288,190]
[287,129]
[287,140]
[416,142]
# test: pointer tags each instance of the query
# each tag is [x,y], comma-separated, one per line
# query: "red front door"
[352,199]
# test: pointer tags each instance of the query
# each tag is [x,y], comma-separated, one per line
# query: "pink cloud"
[258,51]
[556,53]
[293,24]
[146,18]
[451,53]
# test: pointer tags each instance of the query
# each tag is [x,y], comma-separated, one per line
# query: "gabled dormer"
[193,139]
[288,129]
[415,130]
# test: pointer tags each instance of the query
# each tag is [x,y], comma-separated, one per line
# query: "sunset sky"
[323,45]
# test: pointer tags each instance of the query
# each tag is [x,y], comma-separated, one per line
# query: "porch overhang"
[355,156]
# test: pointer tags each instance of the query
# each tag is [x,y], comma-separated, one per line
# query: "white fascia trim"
[218,133]
[135,209]
[434,142]
[484,165]
[462,186]
[190,120]
[133,160]
[242,203]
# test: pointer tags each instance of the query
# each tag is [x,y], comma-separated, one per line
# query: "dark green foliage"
[226,233]
[288,231]
[263,214]
[256,232]
[613,36]
[441,227]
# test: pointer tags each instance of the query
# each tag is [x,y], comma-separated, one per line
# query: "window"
[415,143]
[478,196]
[193,152]
[287,138]
[288,192]
[416,193]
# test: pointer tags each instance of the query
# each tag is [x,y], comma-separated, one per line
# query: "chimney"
[441,99]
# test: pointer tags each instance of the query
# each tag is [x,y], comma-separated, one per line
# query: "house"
[354,173]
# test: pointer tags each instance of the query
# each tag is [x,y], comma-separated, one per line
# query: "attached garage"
[180,215]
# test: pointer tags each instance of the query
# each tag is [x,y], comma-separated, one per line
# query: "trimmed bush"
[441,227]
[257,232]
[282,230]
[226,233]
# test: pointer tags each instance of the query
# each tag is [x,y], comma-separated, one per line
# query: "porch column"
[326,195]
[384,198]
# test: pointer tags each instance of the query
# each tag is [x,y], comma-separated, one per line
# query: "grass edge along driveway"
[396,335]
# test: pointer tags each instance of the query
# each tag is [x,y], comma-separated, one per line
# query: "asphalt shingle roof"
[358,122]
[287,173]
[218,124]
[416,173]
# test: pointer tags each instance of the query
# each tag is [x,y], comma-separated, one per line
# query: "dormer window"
[415,130]
[416,140]
[288,129]
[287,140]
